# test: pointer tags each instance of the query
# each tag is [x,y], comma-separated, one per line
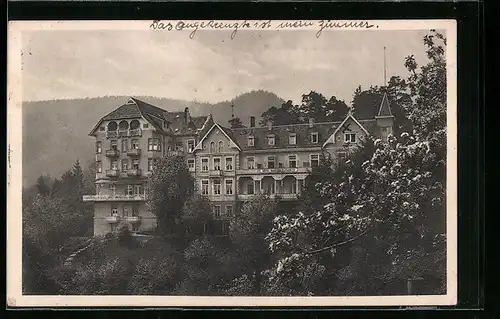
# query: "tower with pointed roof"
[384,118]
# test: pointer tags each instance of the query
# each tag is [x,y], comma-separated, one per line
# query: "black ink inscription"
[328,24]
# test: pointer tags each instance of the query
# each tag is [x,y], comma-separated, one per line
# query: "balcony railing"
[133,219]
[215,173]
[113,219]
[175,153]
[134,172]
[124,133]
[280,170]
[287,196]
[113,198]
[112,173]
[112,153]
[134,152]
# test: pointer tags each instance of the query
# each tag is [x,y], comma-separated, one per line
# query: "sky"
[211,67]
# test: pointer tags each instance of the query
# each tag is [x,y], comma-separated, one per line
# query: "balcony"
[136,132]
[134,172]
[113,219]
[215,173]
[285,197]
[133,219]
[112,153]
[114,198]
[175,153]
[123,133]
[280,170]
[110,134]
[112,173]
[134,152]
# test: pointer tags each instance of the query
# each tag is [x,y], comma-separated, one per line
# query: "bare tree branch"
[336,244]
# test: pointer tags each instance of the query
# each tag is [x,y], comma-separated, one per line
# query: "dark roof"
[385,108]
[206,126]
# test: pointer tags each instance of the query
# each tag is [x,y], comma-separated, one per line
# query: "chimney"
[269,125]
[311,122]
[187,118]
[252,121]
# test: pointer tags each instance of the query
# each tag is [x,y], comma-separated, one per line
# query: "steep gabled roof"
[385,107]
[135,108]
[224,130]
[331,138]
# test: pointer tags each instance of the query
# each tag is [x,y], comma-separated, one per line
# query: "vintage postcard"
[232,163]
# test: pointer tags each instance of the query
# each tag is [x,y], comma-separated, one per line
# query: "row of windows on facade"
[292,139]
[126,212]
[130,190]
[292,162]
[123,125]
[154,144]
[256,187]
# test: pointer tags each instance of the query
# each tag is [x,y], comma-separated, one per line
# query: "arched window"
[221,146]
[212,147]
[123,125]
[112,126]
[134,124]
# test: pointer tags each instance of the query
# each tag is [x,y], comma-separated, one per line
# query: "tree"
[248,230]
[197,214]
[235,122]
[170,185]
[42,185]
[385,209]
[288,113]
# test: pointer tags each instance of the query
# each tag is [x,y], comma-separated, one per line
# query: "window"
[112,189]
[150,164]
[124,165]
[250,141]
[114,165]
[204,164]
[98,147]
[229,163]
[130,190]
[212,147]
[250,189]
[204,187]
[292,139]
[314,137]
[292,161]
[293,187]
[221,147]
[154,144]
[114,210]
[135,210]
[124,145]
[137,189]
[270,161]
[145,125]
[250,162]
[229,187]
[217,187]
[190,163]
[217,163]
[98,166]
[229,210]
[271,140]
[341,156]
[190,146]
[179,147]
[350,137]
[114,145]
[135,164]
[217,211]
[314,158]
[135,144]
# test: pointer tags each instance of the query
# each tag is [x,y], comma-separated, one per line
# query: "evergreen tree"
[42,186]
[235,122]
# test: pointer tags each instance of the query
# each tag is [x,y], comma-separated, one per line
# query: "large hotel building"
[230,165]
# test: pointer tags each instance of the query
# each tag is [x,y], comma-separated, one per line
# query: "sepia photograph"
[232,163]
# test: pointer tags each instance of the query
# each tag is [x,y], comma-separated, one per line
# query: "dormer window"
[190,146]
[350,137]
[271,141]
[292,139]
[250,141]
[145,125]
[314,137]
